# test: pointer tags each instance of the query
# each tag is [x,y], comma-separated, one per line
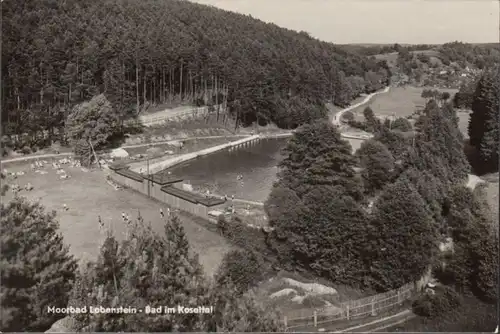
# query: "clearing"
[88,195]
[399,102]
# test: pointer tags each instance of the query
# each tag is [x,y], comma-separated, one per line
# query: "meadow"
[88,196]
[398,102]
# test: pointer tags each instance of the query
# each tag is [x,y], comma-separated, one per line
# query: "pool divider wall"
[163,190]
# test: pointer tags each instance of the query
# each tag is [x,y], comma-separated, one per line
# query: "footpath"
[335,121]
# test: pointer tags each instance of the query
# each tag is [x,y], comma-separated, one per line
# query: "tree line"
[375,219]
[141,53]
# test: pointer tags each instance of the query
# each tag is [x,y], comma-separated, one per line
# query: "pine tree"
[473,266]
[438,146]
[439,127]
[483,123]
[236,313]
[37,269]
[155,270]
[402,240]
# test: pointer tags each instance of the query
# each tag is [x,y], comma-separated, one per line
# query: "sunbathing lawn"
[88,195]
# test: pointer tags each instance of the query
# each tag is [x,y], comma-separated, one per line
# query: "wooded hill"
[143,52]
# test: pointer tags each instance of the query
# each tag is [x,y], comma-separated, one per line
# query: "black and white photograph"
[249,166]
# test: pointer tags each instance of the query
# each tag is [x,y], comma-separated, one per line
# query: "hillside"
[147,52]
[448,66]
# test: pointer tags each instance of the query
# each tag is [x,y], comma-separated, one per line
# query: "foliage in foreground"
[150,269]
[432,305]
[473,266]
[241,269]
[471,316]
[37,269]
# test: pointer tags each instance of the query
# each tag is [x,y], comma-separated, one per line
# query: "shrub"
[348,116]
[313,302]
[243,269]
[26,150]
[401,124]
[433,305]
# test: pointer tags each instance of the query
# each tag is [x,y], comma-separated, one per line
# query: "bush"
[401,124]
[242,269]
[348,116]
[358,125]
[313,302]
[26,150]
[433,305]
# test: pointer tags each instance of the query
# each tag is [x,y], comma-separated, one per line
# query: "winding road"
[338,116]
[184,110]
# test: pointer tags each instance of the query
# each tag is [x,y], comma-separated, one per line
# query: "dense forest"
[57,54]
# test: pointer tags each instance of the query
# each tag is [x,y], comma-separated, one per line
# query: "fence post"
[347,312]
[399,297]
[315,319]
[285,322]
[373,308]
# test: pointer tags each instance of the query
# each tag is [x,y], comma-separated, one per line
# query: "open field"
[399,101]
[88,195]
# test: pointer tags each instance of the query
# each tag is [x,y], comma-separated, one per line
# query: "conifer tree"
[37,268]
[483,123]
[156,270]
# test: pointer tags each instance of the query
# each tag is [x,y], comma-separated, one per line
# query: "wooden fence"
[368,306]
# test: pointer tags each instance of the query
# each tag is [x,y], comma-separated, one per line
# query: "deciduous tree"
[402,237]
[377,164]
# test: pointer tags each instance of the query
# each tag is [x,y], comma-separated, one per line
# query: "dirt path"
[338,116]
[65,154]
